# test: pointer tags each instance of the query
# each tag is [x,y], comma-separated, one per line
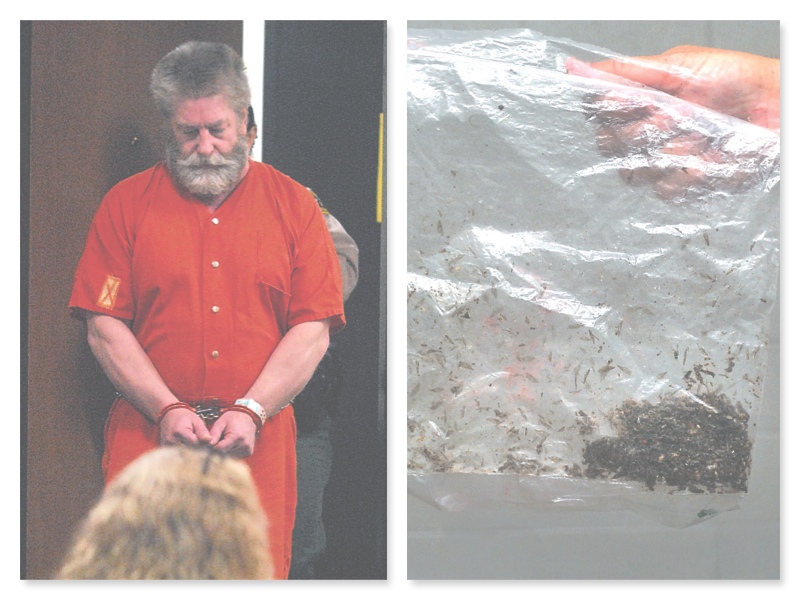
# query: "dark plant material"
[695,443]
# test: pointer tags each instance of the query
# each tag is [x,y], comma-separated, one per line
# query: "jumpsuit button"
[215,309]
[215,221]
[215,354]
[214,264]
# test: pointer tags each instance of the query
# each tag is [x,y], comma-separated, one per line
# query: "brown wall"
[92,124]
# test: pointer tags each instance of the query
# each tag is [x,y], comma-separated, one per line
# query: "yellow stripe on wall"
[379,208]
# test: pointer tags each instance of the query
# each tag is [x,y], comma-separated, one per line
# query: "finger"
[222,438]
[616,107]
[690,164]
[622,140]
[722,172]
[223,435]
[187,437]
[583,69]
[235,446]
[194,431]
[680,170]
[216,432]
[686,144]
[201,432]
[225,443]
[180,437]
[650,71]
[645,136]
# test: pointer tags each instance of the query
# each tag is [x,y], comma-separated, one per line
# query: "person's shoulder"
[268,172]
[130,198]
[287,190]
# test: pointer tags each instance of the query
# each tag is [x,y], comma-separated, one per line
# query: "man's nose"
[205,143]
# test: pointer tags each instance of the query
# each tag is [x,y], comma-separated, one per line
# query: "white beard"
[208,178]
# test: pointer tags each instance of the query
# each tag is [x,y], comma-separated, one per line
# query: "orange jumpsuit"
[209,296]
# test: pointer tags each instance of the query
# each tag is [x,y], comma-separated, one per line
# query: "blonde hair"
[174,513]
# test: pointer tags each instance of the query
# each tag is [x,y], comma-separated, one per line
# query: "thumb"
[655,72]
[202,433]
[609,72]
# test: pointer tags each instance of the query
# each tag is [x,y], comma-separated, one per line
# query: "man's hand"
[742,85]
[234,433]
[666,144]
[183,426]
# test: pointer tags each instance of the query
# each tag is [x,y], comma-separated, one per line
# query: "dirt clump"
[695,443]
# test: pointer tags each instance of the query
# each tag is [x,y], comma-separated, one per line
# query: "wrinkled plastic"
[549,284]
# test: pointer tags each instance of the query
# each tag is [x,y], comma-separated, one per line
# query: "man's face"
[209,147]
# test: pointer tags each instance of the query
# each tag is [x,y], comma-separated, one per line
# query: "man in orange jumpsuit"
[210,285]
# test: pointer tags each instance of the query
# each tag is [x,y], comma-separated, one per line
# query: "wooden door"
[88,123]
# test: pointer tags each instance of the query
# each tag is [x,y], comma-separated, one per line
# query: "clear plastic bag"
[579,334]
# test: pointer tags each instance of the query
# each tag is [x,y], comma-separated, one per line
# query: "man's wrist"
[169,407]
[254,407]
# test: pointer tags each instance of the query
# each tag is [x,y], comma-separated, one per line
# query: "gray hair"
[198,70]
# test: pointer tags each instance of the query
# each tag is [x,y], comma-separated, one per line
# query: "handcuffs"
[211,411]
